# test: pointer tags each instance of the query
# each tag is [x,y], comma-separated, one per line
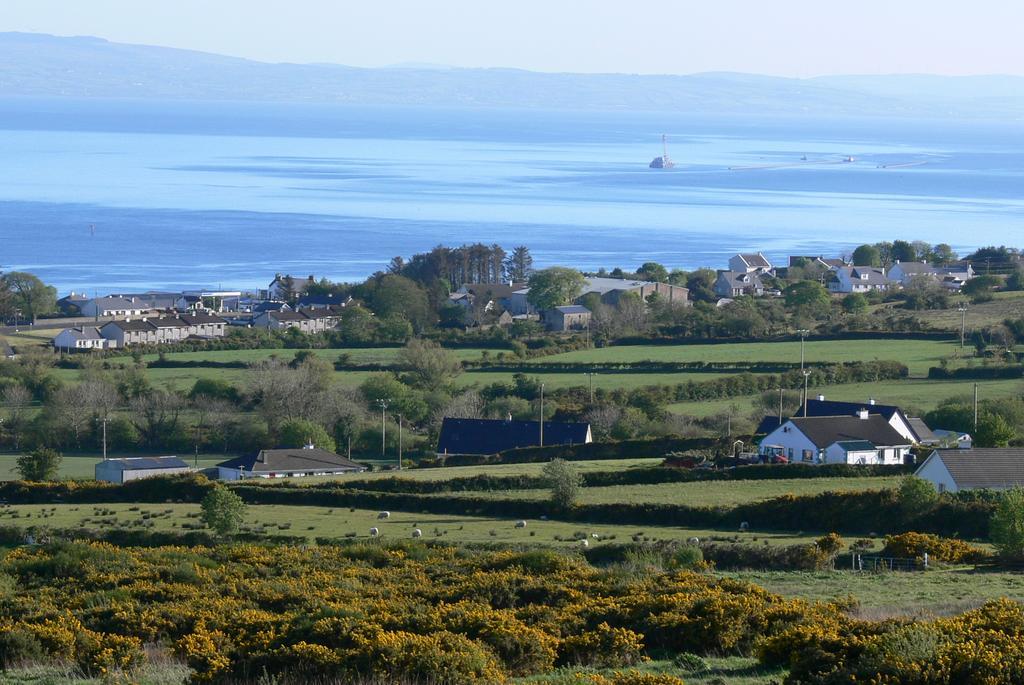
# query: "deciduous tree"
[222,510]
[554,286]
[41,464]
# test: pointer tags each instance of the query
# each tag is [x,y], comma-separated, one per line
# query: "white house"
[280,320]
[287,463]
[733,284]
[112,306]
[861,439]
[134,468]
[751,264]
[80,338]
[951,276]
[858,279]
[952,470]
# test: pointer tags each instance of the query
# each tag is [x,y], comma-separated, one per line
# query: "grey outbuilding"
[133,468]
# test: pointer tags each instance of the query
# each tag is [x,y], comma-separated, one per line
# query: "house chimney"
[309,445]
[508,418]
[871,401]
[821,398]
[862,414]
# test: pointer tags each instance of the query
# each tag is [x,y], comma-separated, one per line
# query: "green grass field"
[82,467]
[934,592]
[914,395]
[918,355]
[273,519]
[699,494]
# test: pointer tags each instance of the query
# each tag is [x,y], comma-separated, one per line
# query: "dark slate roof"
[856,445]
[572,309]
[826,430]
[288,316]
[261,307]
[756,260]
[767,425]
[490,436]
[322,300]
[200,318]
[921,429]
[168,322]
[147,463]
[994,468]
[291,460]
[132,325]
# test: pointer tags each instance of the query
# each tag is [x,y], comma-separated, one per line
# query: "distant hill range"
[43,65]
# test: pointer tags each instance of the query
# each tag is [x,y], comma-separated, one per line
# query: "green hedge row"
[977,372]
[592,451]
[639,476]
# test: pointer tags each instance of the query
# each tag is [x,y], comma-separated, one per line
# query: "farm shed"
[133,468]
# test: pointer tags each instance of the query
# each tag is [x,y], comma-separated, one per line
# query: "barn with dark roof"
[491,436]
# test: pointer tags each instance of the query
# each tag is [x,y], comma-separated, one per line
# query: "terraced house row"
[144,331]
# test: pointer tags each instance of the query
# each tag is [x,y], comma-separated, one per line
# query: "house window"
[807,455]
[789,454]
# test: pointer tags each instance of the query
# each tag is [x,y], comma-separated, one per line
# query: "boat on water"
[662,162]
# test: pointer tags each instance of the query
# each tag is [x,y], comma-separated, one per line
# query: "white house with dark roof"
[111,306]
[80,338]
[864,438]
[732,284]
[755,263]
[858,279]
[953,470]
[287,463]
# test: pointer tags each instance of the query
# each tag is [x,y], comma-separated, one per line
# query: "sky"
[798,38]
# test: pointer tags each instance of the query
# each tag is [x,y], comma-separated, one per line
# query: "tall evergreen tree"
[519,264]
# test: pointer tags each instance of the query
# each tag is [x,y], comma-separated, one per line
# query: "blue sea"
[129,195]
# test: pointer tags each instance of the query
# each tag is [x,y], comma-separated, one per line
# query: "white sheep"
[374,532]
[585,543]
[595,536]
[384,515]
[417,533]
[520,524]
[694,541]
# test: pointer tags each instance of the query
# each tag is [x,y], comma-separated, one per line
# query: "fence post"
[926,559]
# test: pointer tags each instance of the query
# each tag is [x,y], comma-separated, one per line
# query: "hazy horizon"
[790,38]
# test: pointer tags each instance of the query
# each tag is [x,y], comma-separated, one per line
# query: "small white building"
[858,279]
[861,439]
[287,463]
[112,306]
[134,468]
[755,263]
[80,338]
[732,284]
[952,470]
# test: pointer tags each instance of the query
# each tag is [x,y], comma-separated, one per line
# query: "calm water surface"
[226,194]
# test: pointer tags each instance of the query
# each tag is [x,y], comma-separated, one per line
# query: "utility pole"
[590,375]
[541,414]
[975,407]
[104,438]
[807,375]
[963,324]
[399,442]
[383,426]
[781,391]
[803,332]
